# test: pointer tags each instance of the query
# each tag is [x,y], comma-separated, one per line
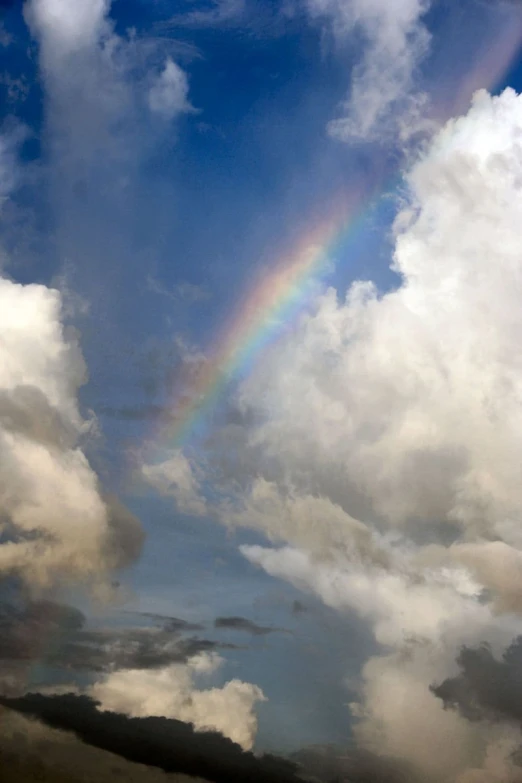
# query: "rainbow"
[283,291]
[272,303]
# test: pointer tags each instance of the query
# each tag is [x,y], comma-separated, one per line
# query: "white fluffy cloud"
[53,519]
[408,403]
[54,522]
[97,84]
[395,40]
[383,440]
[172,693]
[65,26]
[168,94]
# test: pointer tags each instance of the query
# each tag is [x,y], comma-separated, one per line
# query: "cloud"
[10,141]
[30,752]
[168,94]
[219,12]
[17,89]
[383,81]
[486,687]
[380,443]
[56,636]
[177,477]
[170,623]
[186,292]
[486,691]
[243,624]
[65,27]
[171,692]
[164,743]
[5,38]
[102,92]
[330,763]
[400,393]
[55,521]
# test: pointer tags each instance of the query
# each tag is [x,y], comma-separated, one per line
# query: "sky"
[260,388]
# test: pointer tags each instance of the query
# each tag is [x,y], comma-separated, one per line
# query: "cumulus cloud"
[171,692]
[395,40]
[97,84]
[68,26]
[54,520]
[408,402]
[381,441]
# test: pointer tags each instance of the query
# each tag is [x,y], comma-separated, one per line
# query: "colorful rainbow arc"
[275,299]
[271,305]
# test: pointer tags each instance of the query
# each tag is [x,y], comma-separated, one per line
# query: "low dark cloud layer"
[168,744]
[31,752]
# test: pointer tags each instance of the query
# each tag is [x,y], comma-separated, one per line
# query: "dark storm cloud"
[169,744]
[242,624]
[56,635]
[486,687]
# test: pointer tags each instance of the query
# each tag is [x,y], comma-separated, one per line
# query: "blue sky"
[156,223]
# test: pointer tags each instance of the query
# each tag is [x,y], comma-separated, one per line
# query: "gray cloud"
[486,687]
[170,623]
[242,624]
[125,536]
[27,627]
[27,410]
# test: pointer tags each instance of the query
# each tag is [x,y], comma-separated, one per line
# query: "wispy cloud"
[245,625]
[382,93]
[181,292]
[213,14]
